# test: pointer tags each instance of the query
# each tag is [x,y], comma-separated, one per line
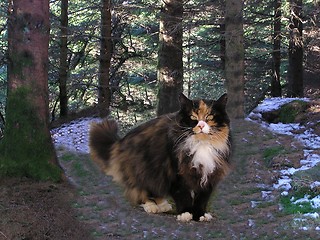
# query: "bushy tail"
[101,137]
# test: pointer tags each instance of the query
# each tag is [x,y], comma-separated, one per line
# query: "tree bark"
[222,44]
[170,65]
[275,83]
[104,92]
[295,71]
[234,58]
[27,148]
[63,70]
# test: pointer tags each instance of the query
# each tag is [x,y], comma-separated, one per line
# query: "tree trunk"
[295,71]
[222,44]
[63,70]
[170,66]
[275,83]
[27,149]
[104,92]
[234,58]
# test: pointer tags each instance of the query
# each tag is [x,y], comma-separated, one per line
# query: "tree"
[295,70]
[222,44]
[275,83]
[63,69]
[234,58]
[104,93]
[27,148]
[170,65]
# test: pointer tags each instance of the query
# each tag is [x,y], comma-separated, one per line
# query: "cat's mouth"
[201,136]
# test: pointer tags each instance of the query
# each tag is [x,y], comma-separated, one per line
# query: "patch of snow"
[314,215]
[311,161]
[283,128]
[283,183]
[315,184]
[315,202]
[266,195]
[271,104]
[74,136]
[309,139]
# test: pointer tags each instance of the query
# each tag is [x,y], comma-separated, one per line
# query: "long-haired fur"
[182,155]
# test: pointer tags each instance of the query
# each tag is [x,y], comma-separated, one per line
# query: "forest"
[66,60]
[75,41]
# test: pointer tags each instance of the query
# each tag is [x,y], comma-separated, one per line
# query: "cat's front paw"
[207,217]
[150,207]
[184,217]
[158,206]
[164,206]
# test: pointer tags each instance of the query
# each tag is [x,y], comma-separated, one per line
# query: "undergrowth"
[290,206]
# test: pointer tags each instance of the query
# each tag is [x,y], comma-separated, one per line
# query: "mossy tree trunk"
[170,65]
[27,149]
[234,58]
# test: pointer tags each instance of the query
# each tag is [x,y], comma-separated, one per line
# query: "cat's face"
[204,117]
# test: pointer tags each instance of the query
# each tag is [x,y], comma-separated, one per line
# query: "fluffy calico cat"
[182,155]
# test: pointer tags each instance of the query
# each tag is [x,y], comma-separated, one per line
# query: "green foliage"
[289,205]
[301,185]
[26,148]
[135,26]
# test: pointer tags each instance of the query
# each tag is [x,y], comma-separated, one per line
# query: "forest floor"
[91,206]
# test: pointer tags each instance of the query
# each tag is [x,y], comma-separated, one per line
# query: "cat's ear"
[185,102]
[222,101]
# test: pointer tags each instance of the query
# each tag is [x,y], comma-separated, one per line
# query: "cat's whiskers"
[182,136]
[186,132]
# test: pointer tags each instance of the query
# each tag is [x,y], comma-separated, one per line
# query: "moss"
[289,112]
[26,149]
[289,207]
[22,60]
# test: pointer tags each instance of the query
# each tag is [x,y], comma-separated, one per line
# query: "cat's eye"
[193,117]
[210,117]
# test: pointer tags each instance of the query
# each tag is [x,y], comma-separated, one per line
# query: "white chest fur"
[205,155]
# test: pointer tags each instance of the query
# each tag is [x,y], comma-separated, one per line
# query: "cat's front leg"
[199,209]
[183,200]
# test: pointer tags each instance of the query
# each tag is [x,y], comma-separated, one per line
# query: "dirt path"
[245,205]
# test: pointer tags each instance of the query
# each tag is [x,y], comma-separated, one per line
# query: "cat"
[182,155]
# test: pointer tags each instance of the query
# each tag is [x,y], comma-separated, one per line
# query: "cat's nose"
[201,124]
